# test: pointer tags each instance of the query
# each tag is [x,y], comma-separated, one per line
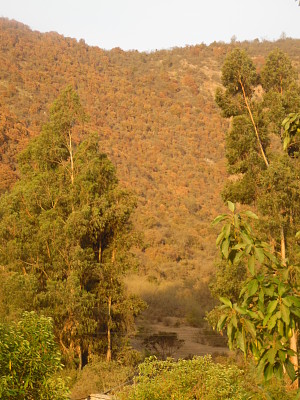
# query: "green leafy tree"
[163,344]
[262,320]
[262,155]
[67,224]
[30,360]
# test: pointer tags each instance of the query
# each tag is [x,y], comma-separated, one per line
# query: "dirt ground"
[195,340]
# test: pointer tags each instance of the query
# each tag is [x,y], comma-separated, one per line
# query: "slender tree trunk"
[108,355]
[70,148]
[282,245]
[100,253]
[294,359]
[79,352]
[71,158]
[294,338]
[254,125]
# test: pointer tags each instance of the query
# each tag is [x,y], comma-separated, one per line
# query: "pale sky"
[147,25]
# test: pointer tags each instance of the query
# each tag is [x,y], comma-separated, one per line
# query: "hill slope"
[156,119]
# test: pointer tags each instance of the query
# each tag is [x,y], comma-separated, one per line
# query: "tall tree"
[261,320]
[266,170]
[66,225]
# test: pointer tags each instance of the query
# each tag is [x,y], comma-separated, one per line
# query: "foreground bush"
[100,376]
[30,360]
[198,378]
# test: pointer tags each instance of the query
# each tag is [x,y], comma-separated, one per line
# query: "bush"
[99,376]
[30,360]
[198,378]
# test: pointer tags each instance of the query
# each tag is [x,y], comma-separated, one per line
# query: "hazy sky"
[155,24]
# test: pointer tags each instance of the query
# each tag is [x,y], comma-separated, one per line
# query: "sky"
[148,25]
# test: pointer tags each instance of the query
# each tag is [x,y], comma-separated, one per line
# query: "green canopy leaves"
[67,223]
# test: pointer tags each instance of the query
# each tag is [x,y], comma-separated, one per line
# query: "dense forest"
[150,128]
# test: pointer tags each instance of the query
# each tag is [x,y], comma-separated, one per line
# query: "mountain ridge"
[156,119]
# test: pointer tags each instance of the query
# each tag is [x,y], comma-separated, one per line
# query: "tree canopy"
[262,153]
[66,232]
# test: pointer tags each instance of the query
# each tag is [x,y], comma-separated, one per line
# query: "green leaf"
[286,119]
[237,221]
[286,142]
[218,219]
[246,238]
[271,354]
[227,229]
[280,327]
[250,328]
[272,306]
[240,341]
[252,287]
[271,257]
[239,246]
[237,257]
[251,265]
[296,312]
[225,248]
[281,288]
[220,238]
[290,370]
[268,372]
[278,371]
[285,312]
[259,253]
[234,321]
[240,310]
[287,301]
[261,296]
[248,248]
[272,322]
[282,355]
[226,301]
[295,300]
[266,319]
[230,335]
[221,322]
[269,291]
[251,214]
[253,315]
[231,206]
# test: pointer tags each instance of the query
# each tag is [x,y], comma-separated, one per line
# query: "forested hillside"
[156,119]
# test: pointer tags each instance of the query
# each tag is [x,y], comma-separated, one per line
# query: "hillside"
[156,119]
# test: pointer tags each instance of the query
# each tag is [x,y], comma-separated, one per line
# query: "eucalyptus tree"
[262,157]
[261,320]
[265,175]
[66,225]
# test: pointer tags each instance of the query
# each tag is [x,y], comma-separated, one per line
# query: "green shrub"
[198,378]
[100,376]
[30,360]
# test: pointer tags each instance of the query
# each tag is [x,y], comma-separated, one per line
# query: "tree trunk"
[282,245]
[108,355]
[294,338]
[79,352]
[254,125]
[71,158]
[294,359]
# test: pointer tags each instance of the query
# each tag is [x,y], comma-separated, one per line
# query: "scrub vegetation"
[113,166]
